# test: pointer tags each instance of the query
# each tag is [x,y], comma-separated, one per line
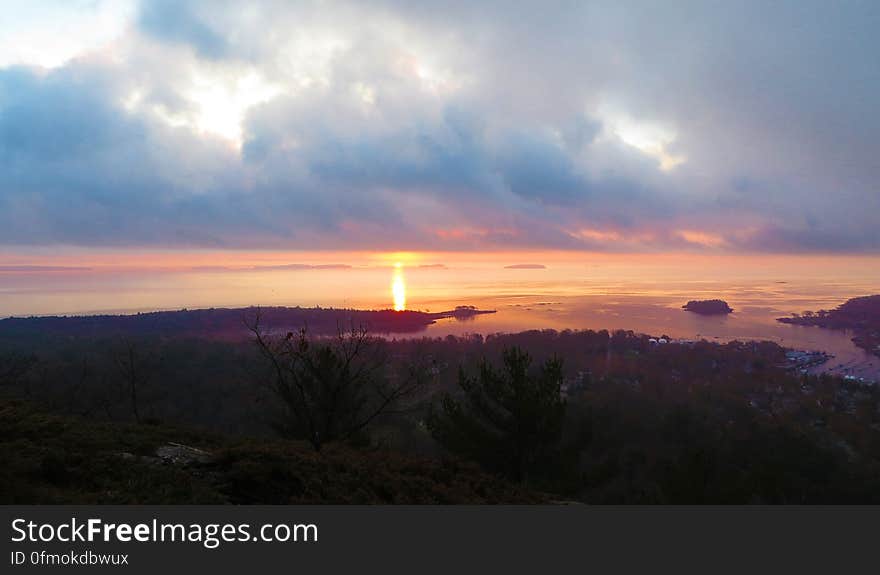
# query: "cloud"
[407,126]
[304,267]
[173,21]
[39,268]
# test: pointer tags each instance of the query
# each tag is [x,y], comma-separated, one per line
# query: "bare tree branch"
[333,388]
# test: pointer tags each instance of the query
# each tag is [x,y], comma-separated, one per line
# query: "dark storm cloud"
[605,125]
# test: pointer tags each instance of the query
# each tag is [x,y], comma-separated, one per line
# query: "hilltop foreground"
[52,459]
[609,418]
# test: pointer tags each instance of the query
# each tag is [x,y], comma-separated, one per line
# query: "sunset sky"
[172,127]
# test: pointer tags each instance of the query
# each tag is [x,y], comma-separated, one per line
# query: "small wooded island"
[708,307]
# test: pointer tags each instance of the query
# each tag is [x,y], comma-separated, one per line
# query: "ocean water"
[642,293]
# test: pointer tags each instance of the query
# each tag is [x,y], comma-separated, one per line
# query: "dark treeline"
[228,324]
[591,416]
[214,323]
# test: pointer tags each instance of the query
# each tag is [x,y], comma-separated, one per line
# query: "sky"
[706,127]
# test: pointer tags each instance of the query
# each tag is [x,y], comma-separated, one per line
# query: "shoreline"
[461,321]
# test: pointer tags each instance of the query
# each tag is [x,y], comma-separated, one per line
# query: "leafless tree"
[133,368]
[333,388]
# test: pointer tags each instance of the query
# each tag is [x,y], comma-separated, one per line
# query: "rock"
[180,454]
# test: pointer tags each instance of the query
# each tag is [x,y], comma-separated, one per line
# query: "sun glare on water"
[398,288]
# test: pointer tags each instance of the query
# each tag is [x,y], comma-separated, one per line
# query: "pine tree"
[509,420]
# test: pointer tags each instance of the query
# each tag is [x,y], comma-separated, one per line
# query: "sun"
[398,288]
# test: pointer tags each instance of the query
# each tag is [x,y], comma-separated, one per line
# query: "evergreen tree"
[509,420]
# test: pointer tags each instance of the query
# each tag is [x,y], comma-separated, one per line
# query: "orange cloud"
[701,238]
[597,235]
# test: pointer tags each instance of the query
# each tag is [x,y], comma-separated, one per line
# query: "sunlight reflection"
[398,288]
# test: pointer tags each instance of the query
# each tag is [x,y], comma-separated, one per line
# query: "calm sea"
[643,293]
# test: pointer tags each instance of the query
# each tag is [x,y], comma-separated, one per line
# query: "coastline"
[845,358]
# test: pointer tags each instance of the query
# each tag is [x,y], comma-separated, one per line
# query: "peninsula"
[229,323]
[861,315]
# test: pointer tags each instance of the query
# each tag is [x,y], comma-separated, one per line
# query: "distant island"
[526,267]
[860,314]
[461,312]
[708,307]
[230,323]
